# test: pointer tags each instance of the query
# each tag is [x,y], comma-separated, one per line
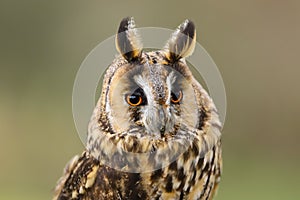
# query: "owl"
[154,133]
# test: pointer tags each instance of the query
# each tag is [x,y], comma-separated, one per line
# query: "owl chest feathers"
[192,174]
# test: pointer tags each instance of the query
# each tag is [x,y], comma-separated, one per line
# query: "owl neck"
[132,152]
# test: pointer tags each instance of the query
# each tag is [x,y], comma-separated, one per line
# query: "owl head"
[150,101]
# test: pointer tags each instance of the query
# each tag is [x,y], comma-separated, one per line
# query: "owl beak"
[162,121]
[156,120]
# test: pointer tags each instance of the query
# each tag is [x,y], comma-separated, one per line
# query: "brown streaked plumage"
[154,133]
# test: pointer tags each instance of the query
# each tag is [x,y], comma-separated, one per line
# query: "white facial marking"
[170,81]
[143,83]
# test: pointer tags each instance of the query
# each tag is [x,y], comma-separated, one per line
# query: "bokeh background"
[254,43]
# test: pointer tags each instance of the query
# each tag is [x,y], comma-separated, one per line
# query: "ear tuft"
[182,42]
[128,41]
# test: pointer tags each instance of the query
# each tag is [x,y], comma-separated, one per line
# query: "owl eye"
[176,97]
[137,98]
[134,100]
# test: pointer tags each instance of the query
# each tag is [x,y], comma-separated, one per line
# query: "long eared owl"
[154,133]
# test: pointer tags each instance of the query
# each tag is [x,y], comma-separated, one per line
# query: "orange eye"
[134,100]
[176,97]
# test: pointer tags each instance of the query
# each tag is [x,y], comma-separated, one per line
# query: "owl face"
[152,97]
[152,92]
[151,104]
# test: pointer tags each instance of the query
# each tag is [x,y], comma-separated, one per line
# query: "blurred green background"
[254,43]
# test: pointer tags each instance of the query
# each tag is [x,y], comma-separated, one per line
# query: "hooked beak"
[156,119]
[162,120]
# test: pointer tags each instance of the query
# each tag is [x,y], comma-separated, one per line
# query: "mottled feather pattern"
[158,149]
